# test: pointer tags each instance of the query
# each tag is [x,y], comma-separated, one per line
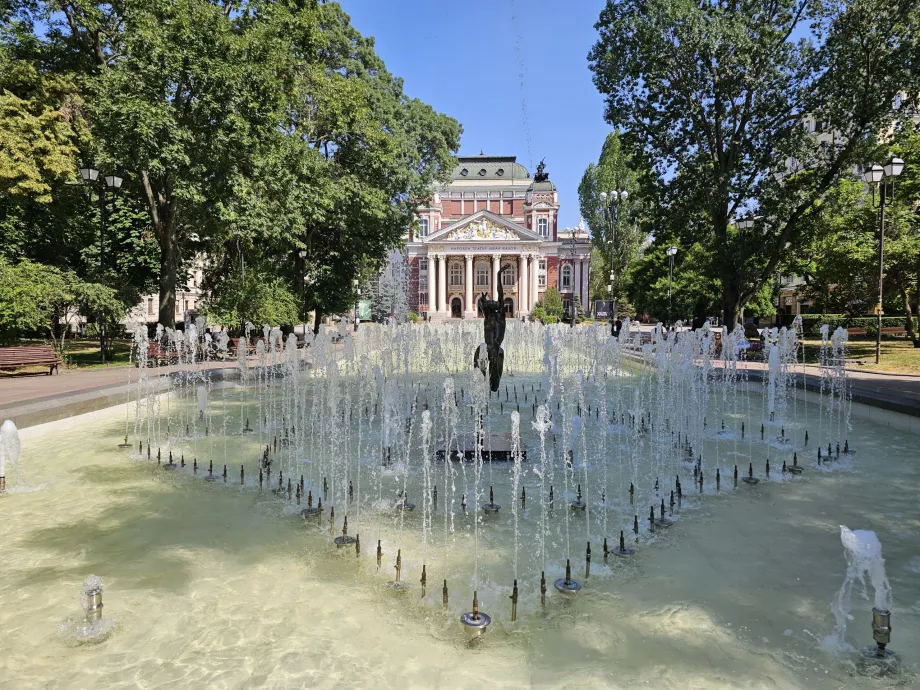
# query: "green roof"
[484,167]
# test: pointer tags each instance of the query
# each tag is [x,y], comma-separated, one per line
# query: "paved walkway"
[29,398]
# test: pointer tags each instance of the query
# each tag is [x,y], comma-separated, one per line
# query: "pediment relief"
[481,229]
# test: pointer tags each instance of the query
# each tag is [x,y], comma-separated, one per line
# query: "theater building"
[491,215]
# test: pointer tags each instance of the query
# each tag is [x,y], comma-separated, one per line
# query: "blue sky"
[468,59]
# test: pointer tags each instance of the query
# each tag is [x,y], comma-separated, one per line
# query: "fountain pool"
[213,584]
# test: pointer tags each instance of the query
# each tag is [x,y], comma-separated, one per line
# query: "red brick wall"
[552,271]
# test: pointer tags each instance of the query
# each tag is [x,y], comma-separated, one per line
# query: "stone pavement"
[30,399]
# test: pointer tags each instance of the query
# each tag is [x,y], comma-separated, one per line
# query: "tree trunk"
[317,317]
[909,319]
[169,260]
[731,305]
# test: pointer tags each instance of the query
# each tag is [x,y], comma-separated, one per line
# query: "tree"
[35,297]
[185,96]
[616,248]
[260,297]
[549,309]
[716,94]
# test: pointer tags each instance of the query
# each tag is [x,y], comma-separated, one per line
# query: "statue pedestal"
[495,447]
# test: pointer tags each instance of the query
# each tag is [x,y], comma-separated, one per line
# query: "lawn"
[84,354]
[898,355]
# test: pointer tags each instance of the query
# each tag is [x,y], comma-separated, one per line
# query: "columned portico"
[496,268]
[468,303]
[442,284]
[523,304]
[534,288]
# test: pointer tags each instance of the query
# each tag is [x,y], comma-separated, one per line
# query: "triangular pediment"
[483,226]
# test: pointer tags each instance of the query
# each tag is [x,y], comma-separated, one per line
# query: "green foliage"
[552,304]
[811,323]
[613,246]
[538,313]
[260,298]
[259,129]
[694,289]
[413,317]
[715,95]
[35,297]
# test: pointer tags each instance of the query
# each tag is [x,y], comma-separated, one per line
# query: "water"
[215,584]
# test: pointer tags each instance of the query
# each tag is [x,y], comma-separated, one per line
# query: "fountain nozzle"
[881,629]
[474,622]
[566,585]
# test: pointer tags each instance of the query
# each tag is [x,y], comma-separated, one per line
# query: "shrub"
[413,317]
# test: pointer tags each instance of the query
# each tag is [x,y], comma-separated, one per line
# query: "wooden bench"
[157,355]
[894,330]
[29,356]
[856,331]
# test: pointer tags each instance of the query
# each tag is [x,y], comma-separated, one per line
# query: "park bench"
[157,355]
[856,331]
[29,356]
[894,330]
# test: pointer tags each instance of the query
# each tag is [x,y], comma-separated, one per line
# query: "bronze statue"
[493,313]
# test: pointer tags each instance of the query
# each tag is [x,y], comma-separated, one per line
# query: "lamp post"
[671,253]
[357,296]
[873,176]
[572,311]
[303,289]
[611,205]
[90,177]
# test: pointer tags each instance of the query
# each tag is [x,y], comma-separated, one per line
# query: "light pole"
[90,176]
[611,205]
[671,252]
[873,176]
[572,310]
[303,289]
[357,296]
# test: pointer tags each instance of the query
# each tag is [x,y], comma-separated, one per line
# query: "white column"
[496,267]
[522,304]
[431,286]
[468,305]
[442,283]
[534,271]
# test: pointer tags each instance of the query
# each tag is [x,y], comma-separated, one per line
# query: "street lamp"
[572,251]
[671,253]
[357,295]
[873,176]
[90,176]
[610,201]
[303,288]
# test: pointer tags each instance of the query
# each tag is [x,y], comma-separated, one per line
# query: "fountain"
[863,553]
[10,447]
[90,627]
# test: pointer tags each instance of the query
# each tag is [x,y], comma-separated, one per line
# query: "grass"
[899,356]
[84,354]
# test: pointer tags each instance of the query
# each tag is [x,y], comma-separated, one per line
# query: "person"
[617,325]
[357,322]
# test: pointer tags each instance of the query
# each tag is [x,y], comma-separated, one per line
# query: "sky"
[513,72]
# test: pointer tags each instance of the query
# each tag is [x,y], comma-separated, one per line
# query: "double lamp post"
[877,175]
[90,176]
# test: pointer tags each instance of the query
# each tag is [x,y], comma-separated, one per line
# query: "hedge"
[811,323]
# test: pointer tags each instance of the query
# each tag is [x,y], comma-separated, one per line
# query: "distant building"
[493,214]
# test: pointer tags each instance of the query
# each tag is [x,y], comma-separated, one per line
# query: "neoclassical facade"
[494,215]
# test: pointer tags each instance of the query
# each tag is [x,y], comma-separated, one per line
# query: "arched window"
[482,274]
[542,227]
[423,227]
[456,274]
[566,277]
[509,277]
